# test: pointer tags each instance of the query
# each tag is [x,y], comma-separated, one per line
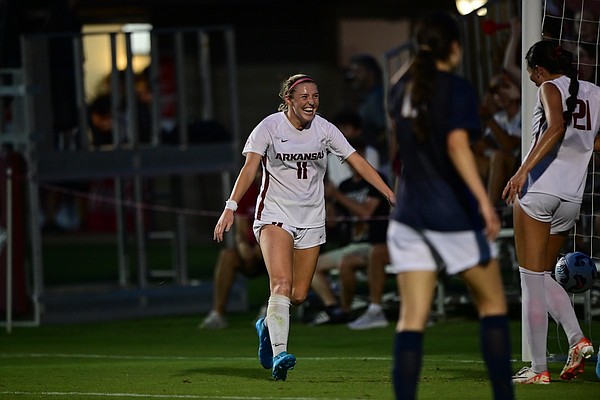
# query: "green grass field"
[169,358]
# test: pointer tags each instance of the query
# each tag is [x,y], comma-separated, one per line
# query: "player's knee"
[298,298]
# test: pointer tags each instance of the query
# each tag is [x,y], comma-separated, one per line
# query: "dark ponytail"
[435,34]
[423,88]
[573,90]
[556,60]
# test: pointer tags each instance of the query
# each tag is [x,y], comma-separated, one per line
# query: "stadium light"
[468,6]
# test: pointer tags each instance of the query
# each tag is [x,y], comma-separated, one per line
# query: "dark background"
[267,30]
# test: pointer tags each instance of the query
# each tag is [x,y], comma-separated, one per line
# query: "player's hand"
[391,198]
[223,225]
[514,187]
[490,217]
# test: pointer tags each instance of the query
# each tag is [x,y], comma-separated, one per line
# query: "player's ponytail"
[556,60]
[566,60]
[423,74]
[435,34]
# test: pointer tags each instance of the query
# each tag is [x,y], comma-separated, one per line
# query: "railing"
[200,81]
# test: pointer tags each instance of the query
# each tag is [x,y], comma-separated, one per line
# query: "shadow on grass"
[235,372]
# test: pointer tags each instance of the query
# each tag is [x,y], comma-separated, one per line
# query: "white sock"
[561,309]
[535,317]
[374,308]
[278,322]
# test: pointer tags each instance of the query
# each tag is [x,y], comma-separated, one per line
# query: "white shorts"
[562,215]
[304,238]
[412,250]
[361,249]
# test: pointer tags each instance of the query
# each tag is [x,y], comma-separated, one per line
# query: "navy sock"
[494,337]
[408,356]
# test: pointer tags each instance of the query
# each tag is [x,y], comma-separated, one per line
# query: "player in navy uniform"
[443,215]
[291,146]
[547,191]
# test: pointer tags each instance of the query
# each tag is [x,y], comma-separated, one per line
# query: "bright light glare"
[467,6]
[140,37]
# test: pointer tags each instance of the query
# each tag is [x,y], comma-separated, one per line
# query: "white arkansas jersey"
[294,165]
[563,171]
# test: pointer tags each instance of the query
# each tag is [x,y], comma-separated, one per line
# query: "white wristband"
[231,204]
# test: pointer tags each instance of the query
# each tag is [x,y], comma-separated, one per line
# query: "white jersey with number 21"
[294,164]
[562,173]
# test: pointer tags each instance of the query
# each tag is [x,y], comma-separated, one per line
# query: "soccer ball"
[575,272]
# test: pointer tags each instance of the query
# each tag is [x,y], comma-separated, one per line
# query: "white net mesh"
[575,25]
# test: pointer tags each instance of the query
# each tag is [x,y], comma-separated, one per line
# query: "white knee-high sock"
[535,316]
[278,322]
[561,309]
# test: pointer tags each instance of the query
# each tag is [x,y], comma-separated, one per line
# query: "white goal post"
[531,33]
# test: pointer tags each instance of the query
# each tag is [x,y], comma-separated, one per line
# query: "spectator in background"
[498,151]
[350,123]
[143,95]
[586,62]
[585,25]
[245,257]
[101,122]
[379,258]
[366,212]
[62,20]
[61,212]
[582,40]
[366,79]
[511,63]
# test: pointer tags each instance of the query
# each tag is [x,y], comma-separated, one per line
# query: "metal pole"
[80,92]
[118,182]
[233,91]
[115,90]
[33,187]
[182,261]
[182,115]
[139,225]
[155,88]
[205,75]
[9,254]
[119,215]
[132,115]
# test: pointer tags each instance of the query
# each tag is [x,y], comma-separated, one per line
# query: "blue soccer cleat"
[598,364]
[265,352]
[282,362]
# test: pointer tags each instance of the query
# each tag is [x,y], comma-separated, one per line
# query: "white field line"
[78,395]
[184,358]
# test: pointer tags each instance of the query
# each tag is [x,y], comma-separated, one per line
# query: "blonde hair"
[288,87]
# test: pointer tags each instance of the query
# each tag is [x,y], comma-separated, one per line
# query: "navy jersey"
[431,194]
